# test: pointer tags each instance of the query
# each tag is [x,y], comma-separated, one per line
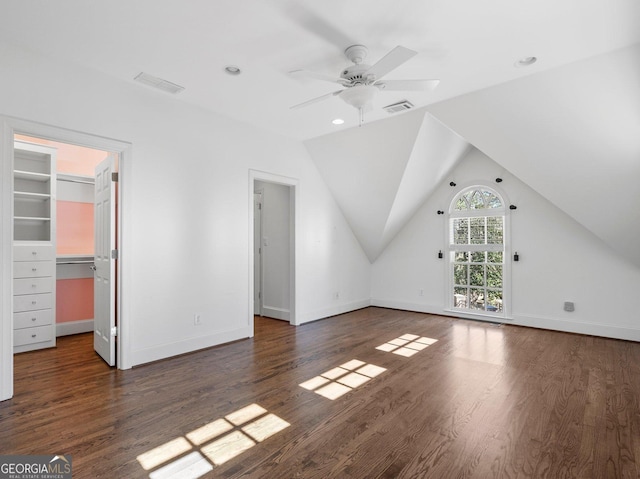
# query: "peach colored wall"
[74,299]
[71,159]
[74,231]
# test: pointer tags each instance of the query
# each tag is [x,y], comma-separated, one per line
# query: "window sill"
[465,314]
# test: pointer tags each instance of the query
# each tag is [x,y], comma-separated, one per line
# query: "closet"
[53,241]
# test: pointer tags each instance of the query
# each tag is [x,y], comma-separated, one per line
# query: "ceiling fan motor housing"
[356,74]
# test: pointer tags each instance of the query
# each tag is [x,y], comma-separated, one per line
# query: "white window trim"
[504,211]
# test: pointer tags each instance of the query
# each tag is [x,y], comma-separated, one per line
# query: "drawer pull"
[34,302]
[33,319]
[33,335]
[34,253]
[34,286]
[34,269]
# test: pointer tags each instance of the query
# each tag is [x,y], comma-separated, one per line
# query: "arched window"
[477,250]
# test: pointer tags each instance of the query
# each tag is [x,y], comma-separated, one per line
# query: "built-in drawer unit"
[30,319]
[32,302]
[33,252]
[33,269]
[27,336]
[32,285]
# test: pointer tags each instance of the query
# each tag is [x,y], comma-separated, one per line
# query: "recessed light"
[232,70]
[525,62]
[338,121]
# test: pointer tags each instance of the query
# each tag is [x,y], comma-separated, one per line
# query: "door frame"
[293,184]
[257,263]
[8,127]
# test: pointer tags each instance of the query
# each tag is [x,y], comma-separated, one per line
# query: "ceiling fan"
[361,82]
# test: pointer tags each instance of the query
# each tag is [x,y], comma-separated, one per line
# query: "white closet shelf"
[30,175]
[31,219]
[27,195]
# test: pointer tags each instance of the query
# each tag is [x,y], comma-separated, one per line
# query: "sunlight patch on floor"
[406,345]
[212,444]
[340,380]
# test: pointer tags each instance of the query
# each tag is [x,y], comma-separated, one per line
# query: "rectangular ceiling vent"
[397,107]
[158,83]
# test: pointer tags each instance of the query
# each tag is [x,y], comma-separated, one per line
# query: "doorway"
[72,257]
[272,247]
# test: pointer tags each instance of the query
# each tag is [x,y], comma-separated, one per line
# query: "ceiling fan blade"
[390,61]
[407,85]
[315,100]
[319,76]
[316,24]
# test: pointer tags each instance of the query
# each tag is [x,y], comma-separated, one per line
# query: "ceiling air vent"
[158,83]
[397,107]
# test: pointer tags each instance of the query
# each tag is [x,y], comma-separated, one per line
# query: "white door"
[104,319]
[257,254]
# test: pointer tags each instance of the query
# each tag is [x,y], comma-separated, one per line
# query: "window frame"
[451,249]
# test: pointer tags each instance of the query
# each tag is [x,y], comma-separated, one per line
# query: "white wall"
[186,205]
[560,261]
[275,249]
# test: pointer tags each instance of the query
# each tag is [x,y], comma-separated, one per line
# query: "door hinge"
[259,294]
[259,251]
[259,206]
[114,331]
[114,254]
[114,176]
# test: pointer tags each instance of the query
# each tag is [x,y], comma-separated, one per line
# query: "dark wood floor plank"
[483,401]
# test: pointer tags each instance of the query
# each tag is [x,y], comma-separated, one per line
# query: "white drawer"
[29,319]
[33,252]
[32,302]
[38,334]
[32,285]
[33,269]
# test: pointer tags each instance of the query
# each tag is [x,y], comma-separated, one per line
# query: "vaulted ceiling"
[568,125]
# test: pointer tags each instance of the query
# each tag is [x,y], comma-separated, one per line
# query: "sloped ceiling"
[572,134]
[381,173]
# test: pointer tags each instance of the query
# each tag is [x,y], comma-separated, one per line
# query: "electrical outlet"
[569,306]
[197,319]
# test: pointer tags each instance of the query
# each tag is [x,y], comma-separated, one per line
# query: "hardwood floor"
[482,401]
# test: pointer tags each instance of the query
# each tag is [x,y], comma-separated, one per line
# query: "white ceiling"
[561,125]
[467,44]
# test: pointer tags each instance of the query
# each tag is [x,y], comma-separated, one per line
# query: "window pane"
[494,230]
[461,204]
[461,231]
[491,200]
[477,231]
[477,257]
[460,297]
[494,257]
[476,274]
[476,298]
[461,257]
[477,202]
[460,273]
[494,301]
[494,276]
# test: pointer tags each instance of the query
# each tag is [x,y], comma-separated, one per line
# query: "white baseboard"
[276,313]
[333,311]
[580,327]
[74,327]
[187,345]
[554,324]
